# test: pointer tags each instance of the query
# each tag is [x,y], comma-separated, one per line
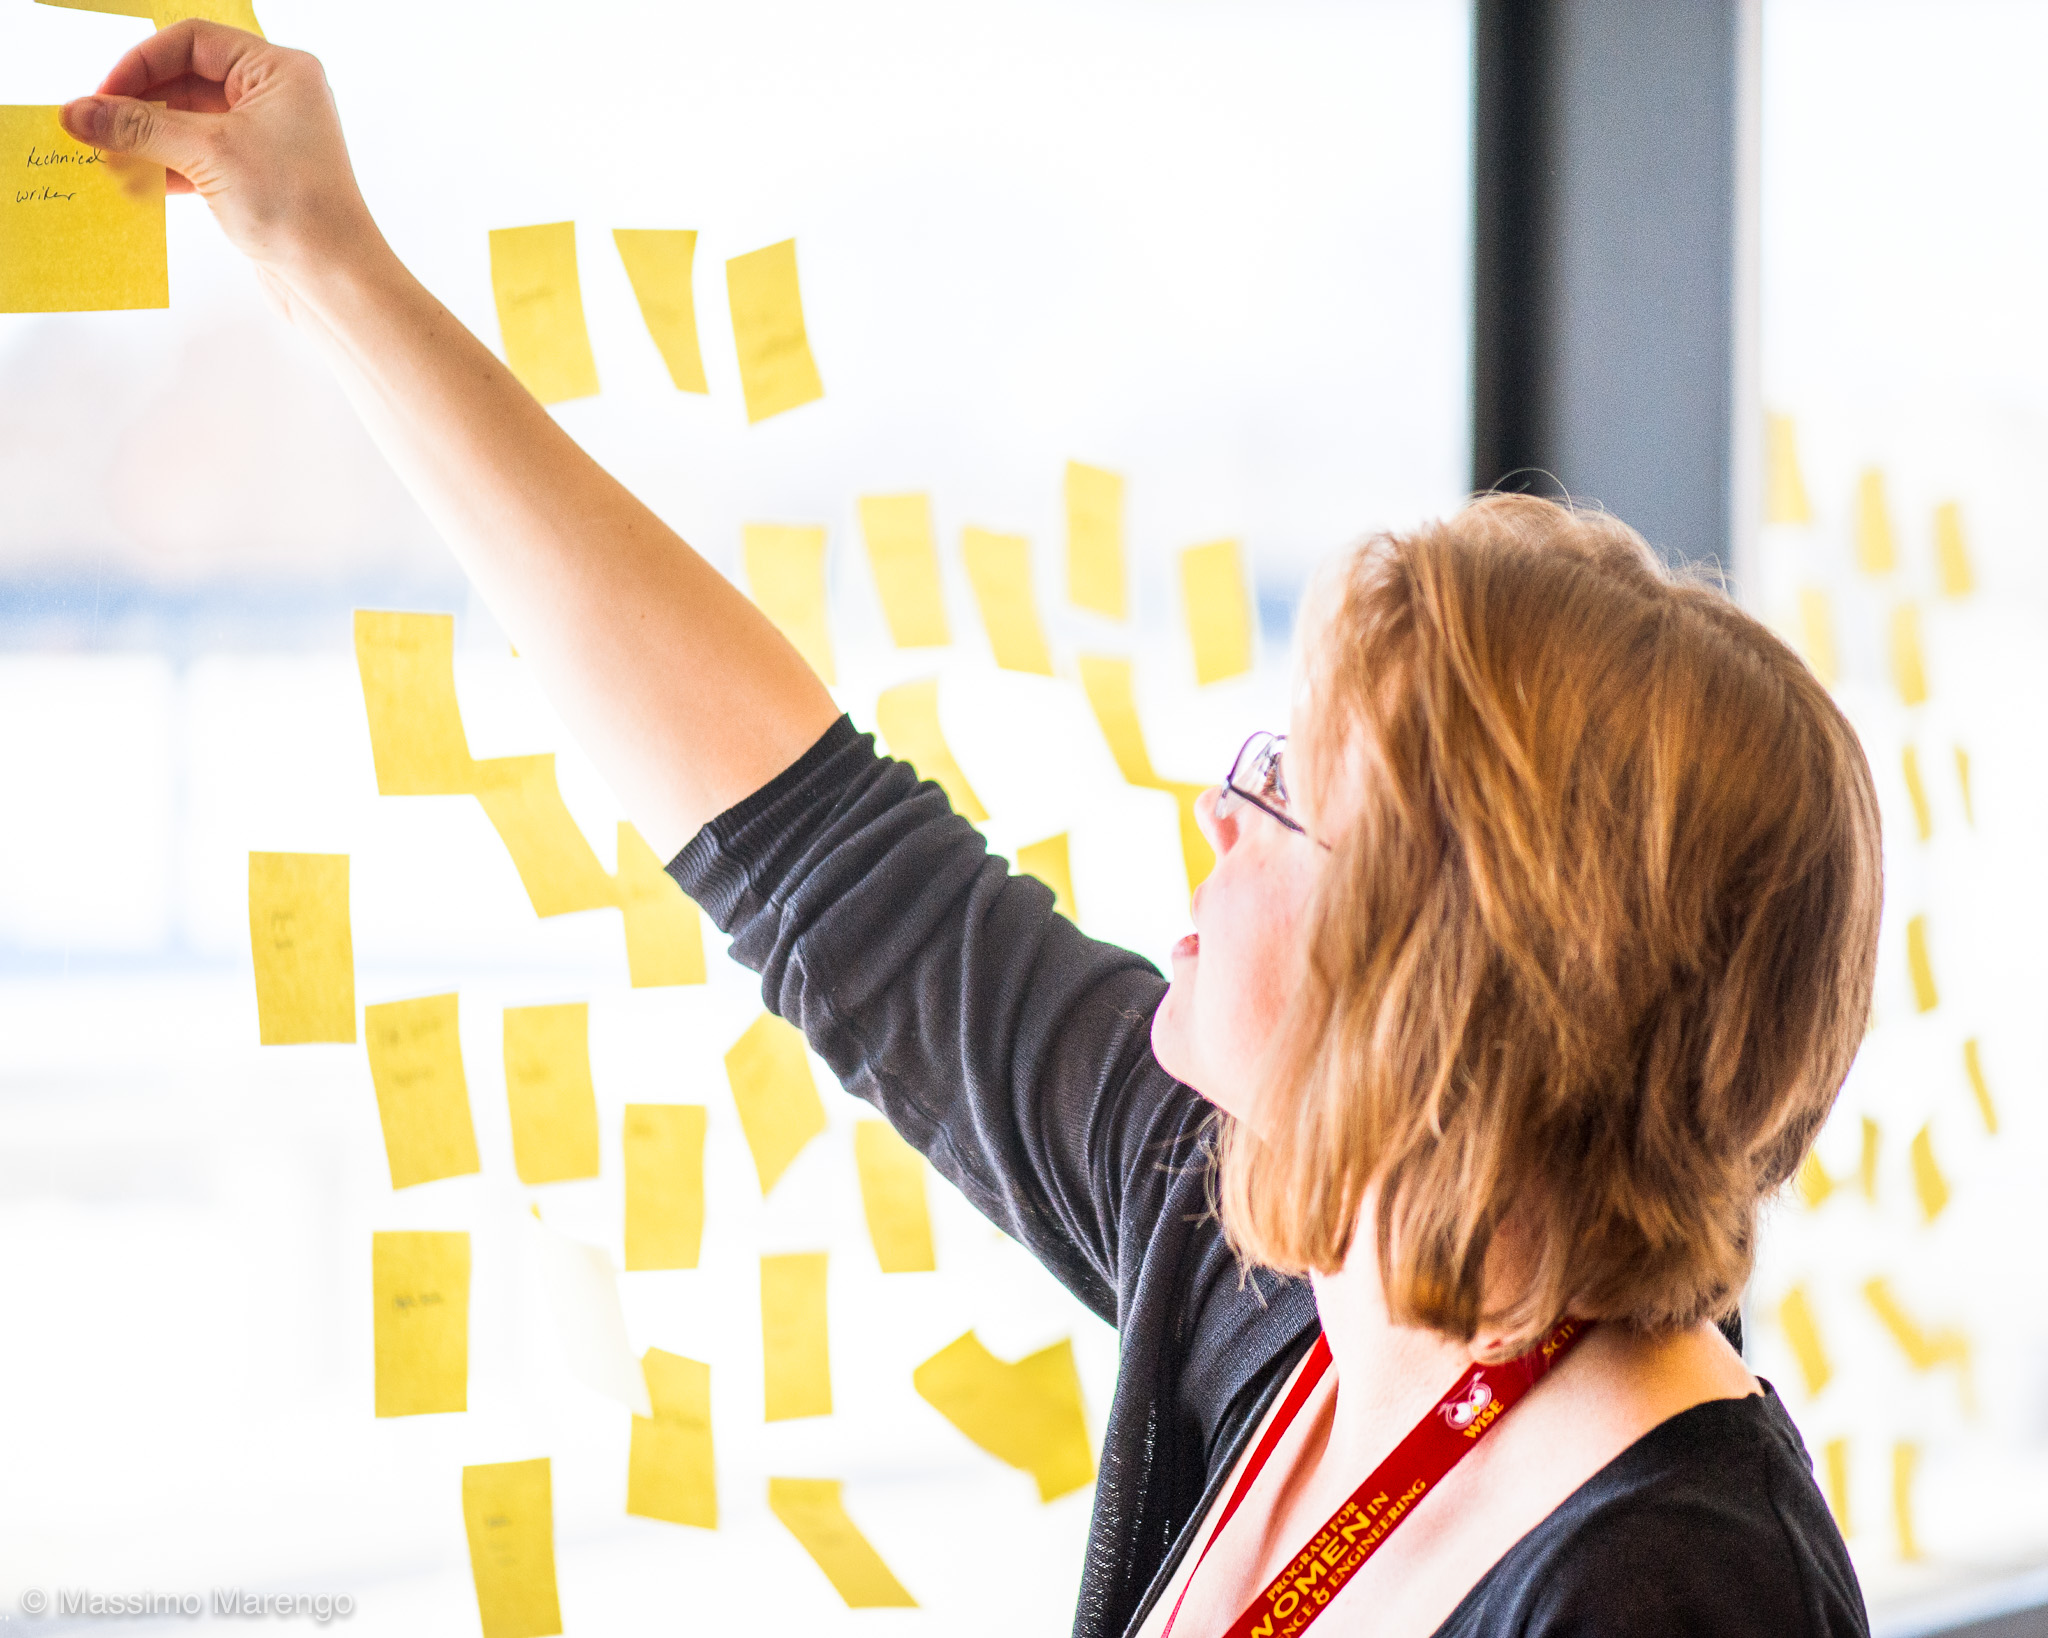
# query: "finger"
[207,51]
[170,137]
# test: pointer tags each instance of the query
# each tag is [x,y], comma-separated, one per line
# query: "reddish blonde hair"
[1594,947]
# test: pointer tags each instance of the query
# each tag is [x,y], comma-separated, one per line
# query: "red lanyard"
[1435,1445]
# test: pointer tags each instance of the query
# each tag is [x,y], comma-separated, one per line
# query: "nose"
[1220,829]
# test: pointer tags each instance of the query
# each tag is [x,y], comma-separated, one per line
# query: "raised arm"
[684,693]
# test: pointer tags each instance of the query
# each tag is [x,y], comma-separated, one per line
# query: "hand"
[252,129]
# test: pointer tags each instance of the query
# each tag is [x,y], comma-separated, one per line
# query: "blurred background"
[1223,250]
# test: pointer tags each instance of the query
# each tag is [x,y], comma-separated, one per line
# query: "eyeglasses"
[1256,777]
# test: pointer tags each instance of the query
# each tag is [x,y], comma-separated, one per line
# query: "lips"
[1188,948]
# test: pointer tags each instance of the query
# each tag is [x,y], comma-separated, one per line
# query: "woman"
[1520,982]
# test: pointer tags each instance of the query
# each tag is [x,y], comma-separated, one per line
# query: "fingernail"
[86,119]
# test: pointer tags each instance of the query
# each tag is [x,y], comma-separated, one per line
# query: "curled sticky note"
[420,1285]
[299,937]
[1866,1167]
[1784,490]
[777,371]
[590,1323]
[113,8]
[796,1357]
[812,1510]
[1916,793]
[664,933]
[1835,1460]
[786,573]
[1028,1414]
[1875,551]
[908,716]
[1095,541]
[1217,610]
[1050,862]
[1925,997]
[1812,1181]
[1930,1188]
[415,1051]
[80,231]
[556,866]
[407,666]
[1802,1336]
[776,1097]
[999,568]
[1817,636]
[547,1087]
[1905,1469]
[540,310]
[1925,1350]
[658,264]
[508,1512]
[892,1195]
[1951,552]
[664,1147]
[670,1472]
[1909,662]
[1980,1089]
[904,555]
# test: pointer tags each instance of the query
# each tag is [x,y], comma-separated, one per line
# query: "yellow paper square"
[1980,1088]
[777,372]
[796,1359]
[1930,1188]
[670,1470]
[415,1050]
[786,572]
[1028,1414]
[1049,862]
[523,801]
[420,1283]
[299,936]
[407,666]
[1951,552]
[1909,664]
[776,1097]
[664,933]
[144,9]
[814,1511]
[908,716]
[1916,792]
[1112,696]
[1920,966]
[1876,551]
[1905,1469]
[235,13]
[664,1185]
[508,1511]
[1784,490]
[540,310]
[892,1195]
[80,231]
[1095,541]
[1218,612]
[1802,1336]
[999,569]
[547,1086]
[1835,1457]
[658,262]
[904,555]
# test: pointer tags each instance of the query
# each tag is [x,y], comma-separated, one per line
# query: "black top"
[1016,1053]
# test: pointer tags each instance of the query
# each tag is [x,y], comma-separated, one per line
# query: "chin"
[1169,1039]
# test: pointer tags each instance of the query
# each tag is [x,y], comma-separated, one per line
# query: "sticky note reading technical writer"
[80,231]
[892,1195]
[813,1511]
[777,372]
[664,933]
[999,568]
[1028,1414]
[908,716]
[523,801]
[407,666]
[1095,540]
[796,1358]
[420,1282]
[658,263]
[670,1472]
[664,1185]
[415,1050]
[1802,1336]
[1219,614]
[775,1095]
[1784,490]
[583,1292]
[508,1511]
[540,310]
[904,556]
[299,936]
[547,1086]
[786,573]
[1049,861]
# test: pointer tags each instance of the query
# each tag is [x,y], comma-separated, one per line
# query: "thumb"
[170,137]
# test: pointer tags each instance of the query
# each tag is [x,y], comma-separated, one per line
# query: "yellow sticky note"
[999,568]
[796,1358]
[1028,1414]
[904,555]
[1802,1336]
[658,262]
[908,716]
[235,13]
[1784,491]
[813,1511]
[407,666]
[80,231]
[415,1050]
[786,573]
[556,866]
[664,933]
[1929,1186]
[892,1194]
[1049,862]
[1963,779]
[547,1086]
[1113,698]
[144,9]
[1876,552]
[670,1473]
[1909,664]
[1866,1168]
[1812,1182]
[1095,541]
[420,1283]
[1980,1089]
[1925,1350]
[1196,854]
[540,310]
[1923,815]
[1951,552]
[1817,635]
[777,372]
[1218,612]
[299,936]
[1905,1468]
[776,1097]
[508,1510]
[1835,1459]
[664,1185]
[1925,997]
